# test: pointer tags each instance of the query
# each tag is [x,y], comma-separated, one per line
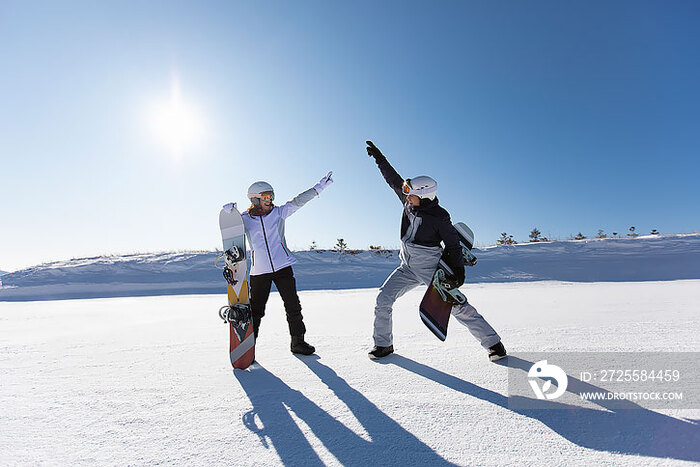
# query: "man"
[424,224]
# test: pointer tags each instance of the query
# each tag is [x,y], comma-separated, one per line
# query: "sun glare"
[176,124]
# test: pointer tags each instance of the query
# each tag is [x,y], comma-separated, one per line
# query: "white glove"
[323,183]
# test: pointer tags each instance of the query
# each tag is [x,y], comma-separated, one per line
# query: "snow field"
[145,381]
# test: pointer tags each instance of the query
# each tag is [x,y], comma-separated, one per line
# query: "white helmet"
[421,186]
[256,190]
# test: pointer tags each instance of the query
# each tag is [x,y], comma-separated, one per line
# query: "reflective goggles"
[406,188]
[266,196]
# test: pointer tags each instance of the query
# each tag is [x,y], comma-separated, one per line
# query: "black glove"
[373,151]
[457,279]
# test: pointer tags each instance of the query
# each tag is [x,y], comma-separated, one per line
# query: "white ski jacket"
[266,234]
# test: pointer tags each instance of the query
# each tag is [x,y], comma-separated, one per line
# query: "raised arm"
[293,205]
[390,175]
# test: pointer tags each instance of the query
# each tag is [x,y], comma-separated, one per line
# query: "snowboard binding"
[234,255]
[447,289]
[236,315]
[231,258]
[230,276]
[469,258]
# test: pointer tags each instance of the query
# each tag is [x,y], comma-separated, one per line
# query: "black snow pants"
[286,285]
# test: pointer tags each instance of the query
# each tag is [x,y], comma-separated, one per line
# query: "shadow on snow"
[273,400]
[633,430]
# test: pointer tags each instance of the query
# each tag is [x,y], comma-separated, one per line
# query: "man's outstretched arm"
[390,175]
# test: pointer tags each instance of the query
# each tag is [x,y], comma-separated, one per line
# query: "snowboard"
[437,303]
[235,270]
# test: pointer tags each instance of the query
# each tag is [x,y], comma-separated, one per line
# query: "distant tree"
[506,239]
[579,236]
[601,234]
[375,247]
[341,246]
[313,245]
[632,233]
[614,234]
[535,235]
[654,232]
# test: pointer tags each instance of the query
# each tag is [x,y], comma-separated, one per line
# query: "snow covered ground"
[651,258]
[145,381]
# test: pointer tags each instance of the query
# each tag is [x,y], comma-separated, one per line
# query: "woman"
[271,259]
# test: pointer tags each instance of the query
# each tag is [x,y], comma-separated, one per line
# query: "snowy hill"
[652,258]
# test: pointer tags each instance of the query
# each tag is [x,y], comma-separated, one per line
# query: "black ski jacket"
[435,225]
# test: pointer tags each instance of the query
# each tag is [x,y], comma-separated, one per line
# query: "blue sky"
[565,116]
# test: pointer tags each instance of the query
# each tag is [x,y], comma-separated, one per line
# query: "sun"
[176,125]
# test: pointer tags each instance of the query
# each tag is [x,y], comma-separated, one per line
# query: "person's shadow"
[631,430]
[273,399]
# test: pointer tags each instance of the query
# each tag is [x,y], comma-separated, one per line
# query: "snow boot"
[301,347]
[380,352]
[497,352]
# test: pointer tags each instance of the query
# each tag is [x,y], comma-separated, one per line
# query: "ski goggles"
[265,196]
[406,188]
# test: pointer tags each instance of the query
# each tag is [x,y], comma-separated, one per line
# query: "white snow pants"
[418,264]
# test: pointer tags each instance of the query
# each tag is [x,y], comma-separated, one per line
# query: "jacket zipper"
[266,245]
[412,229]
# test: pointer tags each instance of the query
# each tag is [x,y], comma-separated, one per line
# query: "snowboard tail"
[436,307]
[435,313]
[241,339]
[242,352]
